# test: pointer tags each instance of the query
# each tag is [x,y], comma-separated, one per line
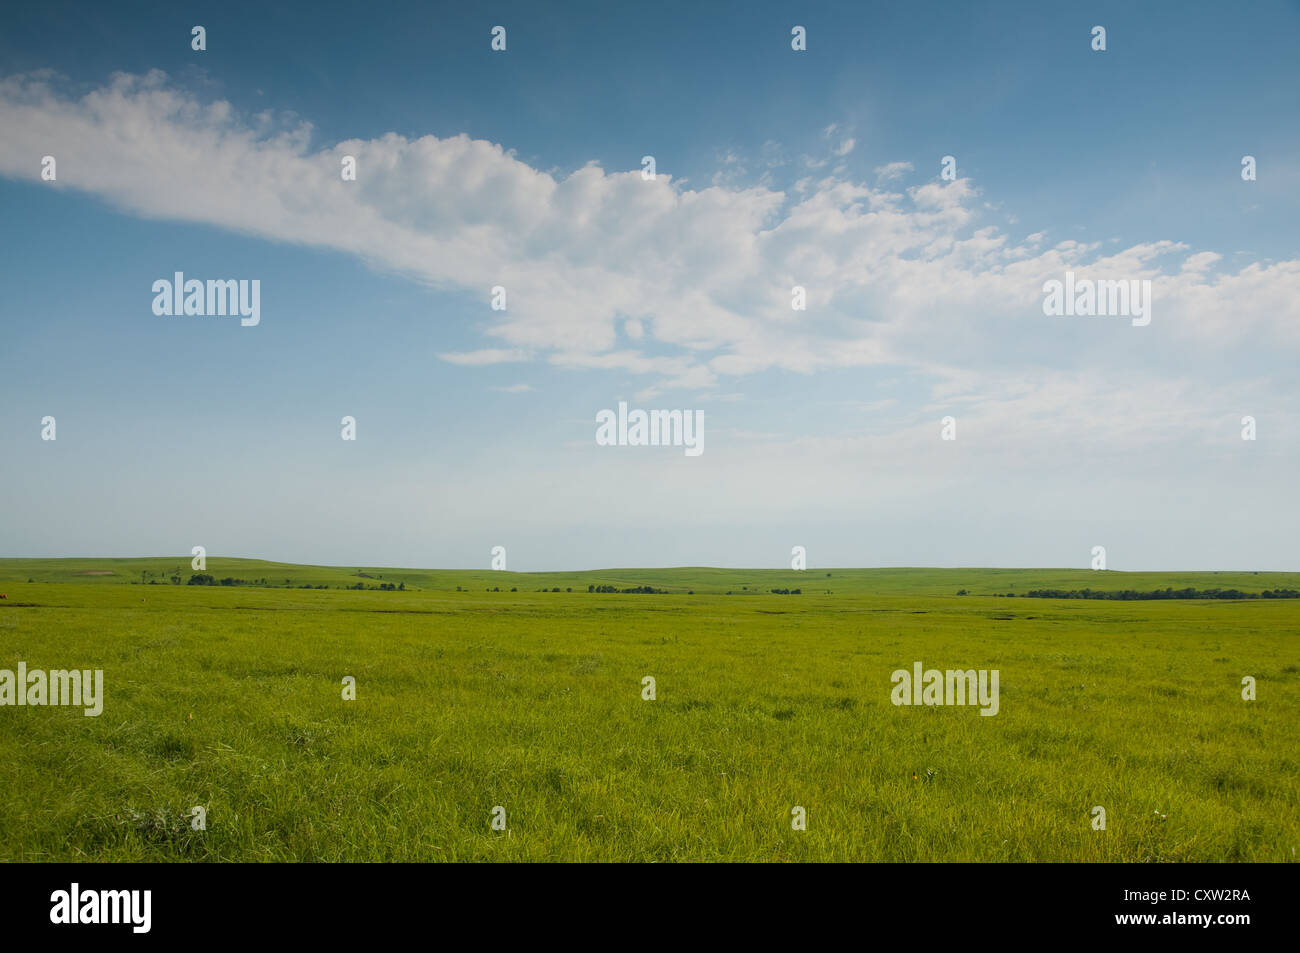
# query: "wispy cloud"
[698,281]
[893,170]
[485,357]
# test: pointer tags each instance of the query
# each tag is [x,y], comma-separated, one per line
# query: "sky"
[774,168]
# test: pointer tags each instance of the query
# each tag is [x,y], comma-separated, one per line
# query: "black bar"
[328,902]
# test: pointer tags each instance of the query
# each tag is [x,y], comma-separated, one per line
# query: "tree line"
[1166,593]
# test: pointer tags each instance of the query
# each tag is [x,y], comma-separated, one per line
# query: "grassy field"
[230,698]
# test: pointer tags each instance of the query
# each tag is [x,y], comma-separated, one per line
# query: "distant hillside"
[163,570]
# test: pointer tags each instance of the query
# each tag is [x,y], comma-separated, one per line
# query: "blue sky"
[476,428]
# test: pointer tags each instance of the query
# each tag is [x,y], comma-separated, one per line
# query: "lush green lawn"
[532,701]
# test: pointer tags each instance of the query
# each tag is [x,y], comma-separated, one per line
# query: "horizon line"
[525,572]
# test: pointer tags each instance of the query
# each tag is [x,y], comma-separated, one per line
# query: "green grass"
[532,701]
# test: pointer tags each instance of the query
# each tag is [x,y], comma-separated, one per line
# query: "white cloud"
[485,357]
[911,279]
[893,170]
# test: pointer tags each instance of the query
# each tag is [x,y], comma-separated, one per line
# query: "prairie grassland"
[230,698]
